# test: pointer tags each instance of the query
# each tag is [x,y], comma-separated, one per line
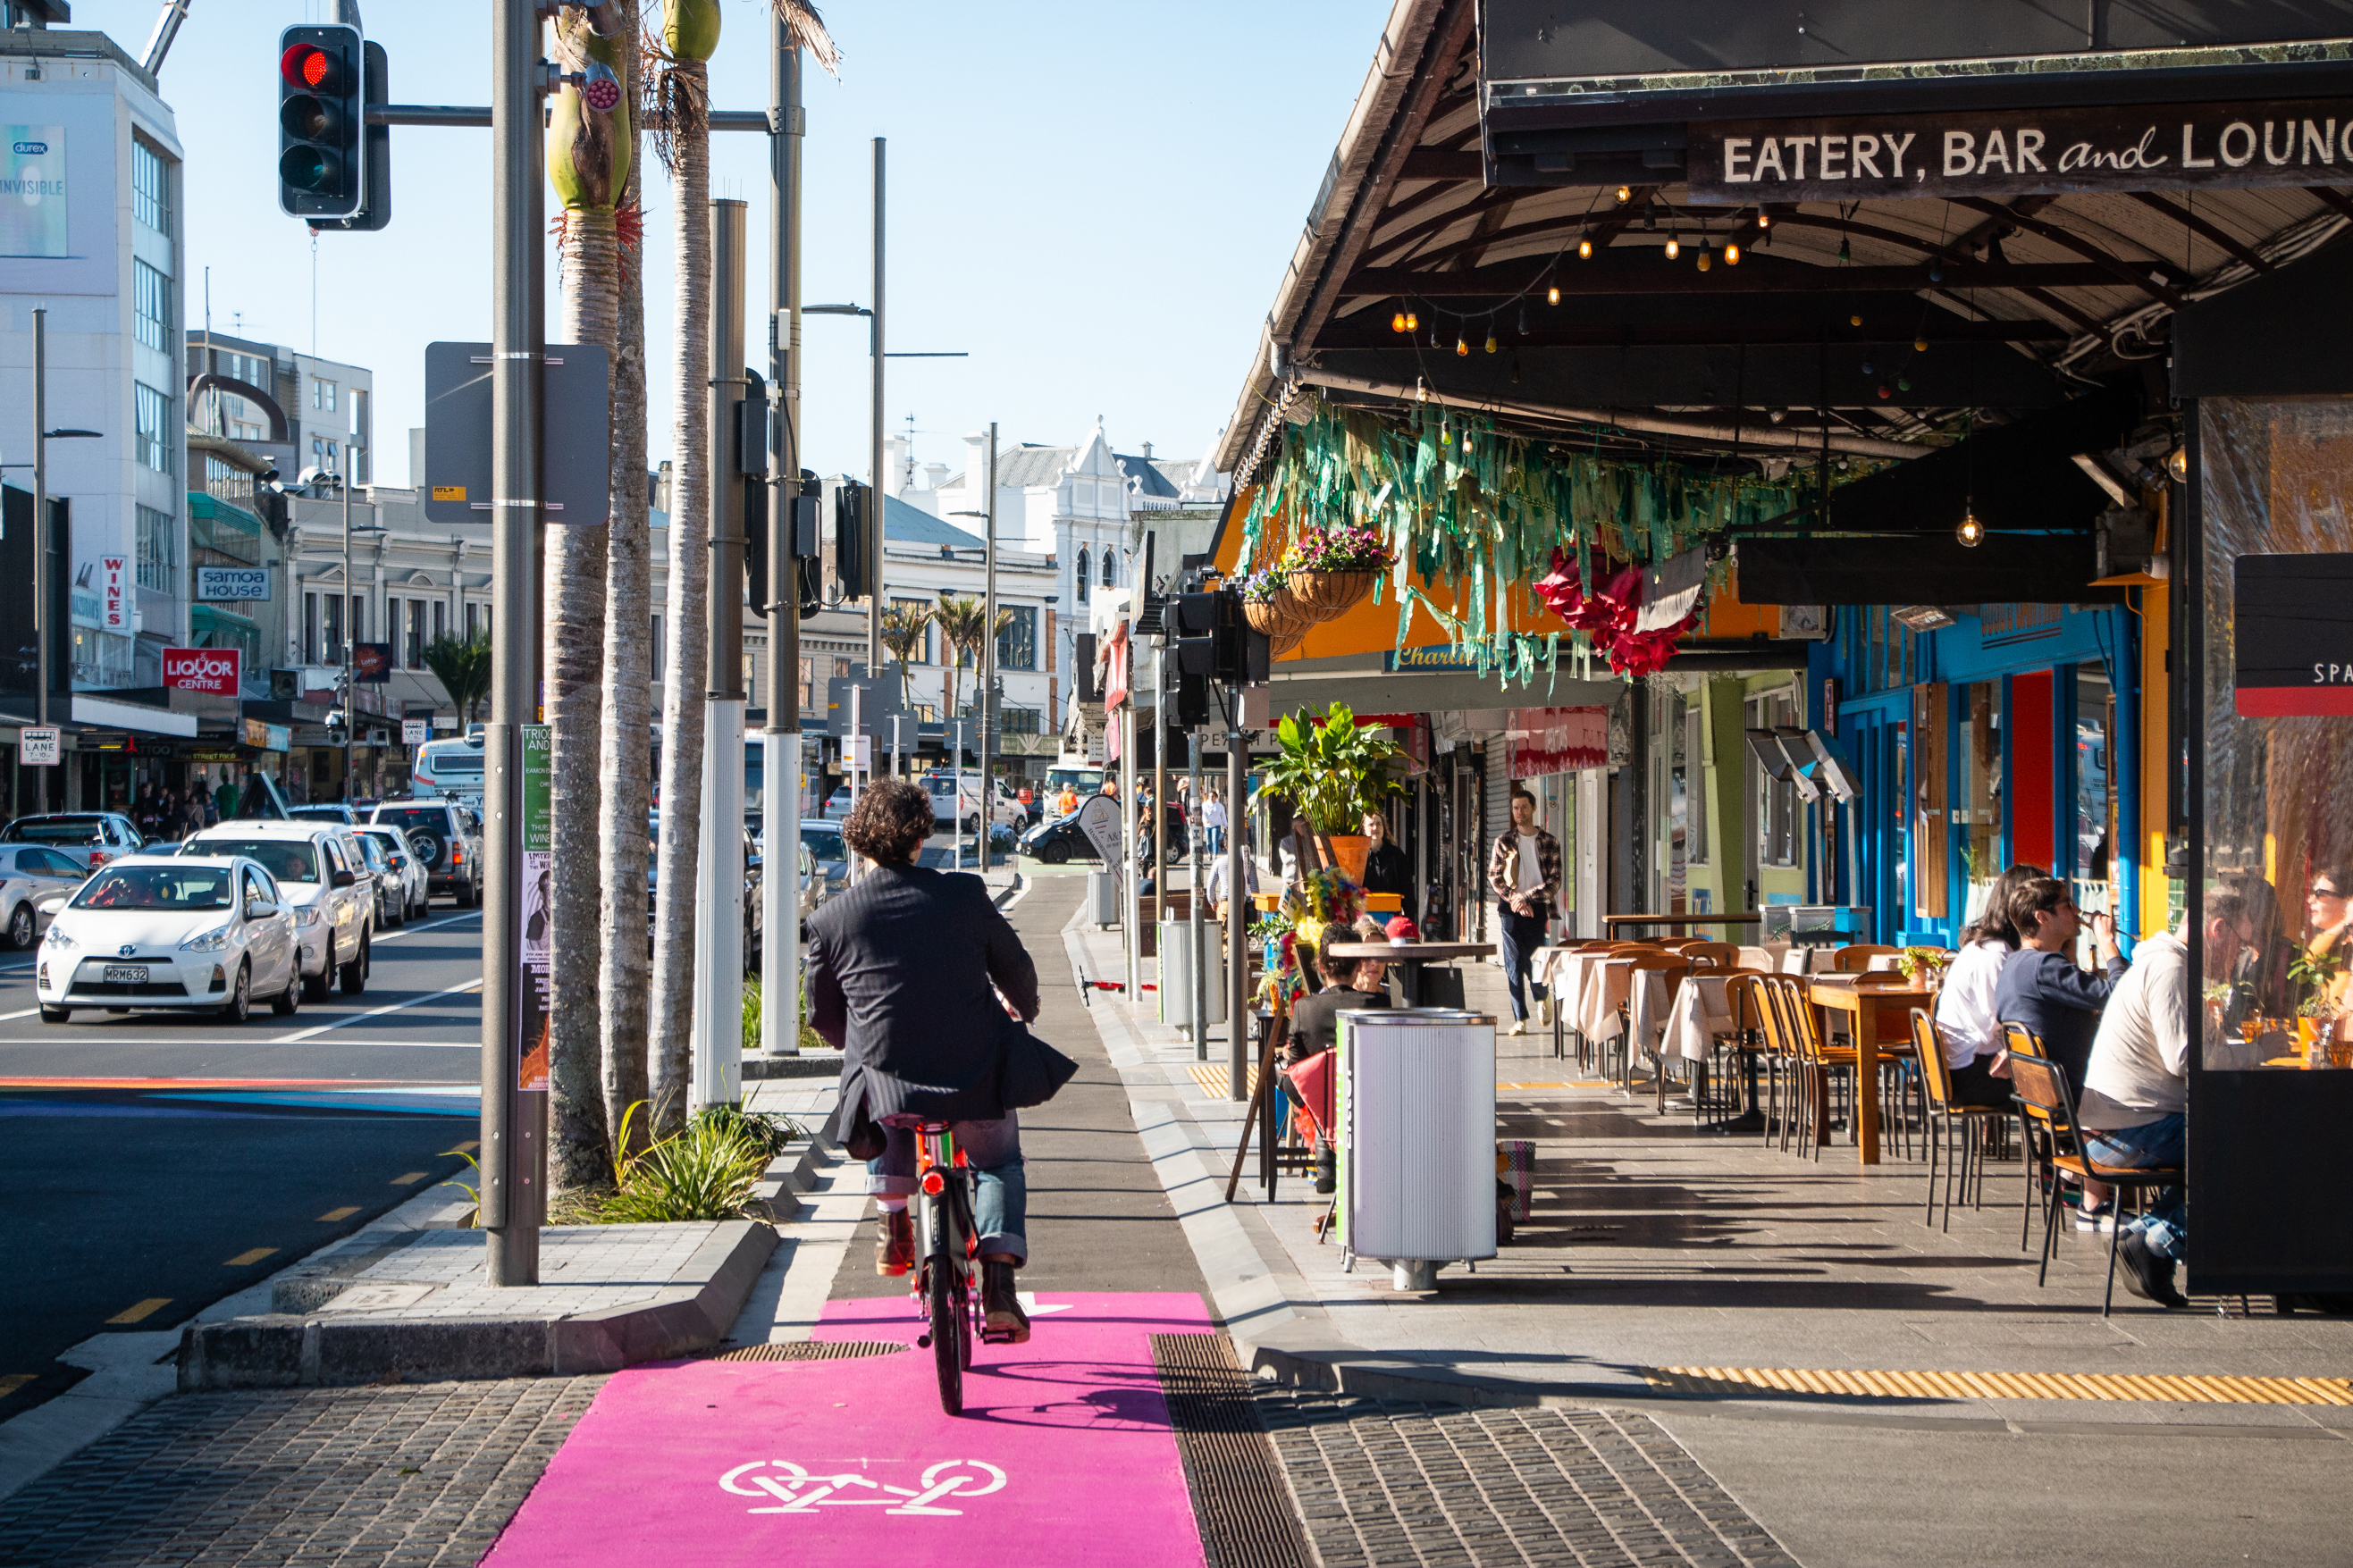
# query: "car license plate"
[126,974]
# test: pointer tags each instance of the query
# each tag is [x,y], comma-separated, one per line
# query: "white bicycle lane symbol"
[798,1491]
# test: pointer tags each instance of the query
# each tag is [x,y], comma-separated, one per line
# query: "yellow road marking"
[409,1180]
[251,1254]
[2193,1388]
[143,1310]
[11,1381]
[332,1216]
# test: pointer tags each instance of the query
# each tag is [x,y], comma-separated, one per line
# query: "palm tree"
[623,755]
[905,629]
[680,86]
[588,152]
[463,669]
[961,623]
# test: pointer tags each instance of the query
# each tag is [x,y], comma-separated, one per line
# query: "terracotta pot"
[1350,850]
[1331,594]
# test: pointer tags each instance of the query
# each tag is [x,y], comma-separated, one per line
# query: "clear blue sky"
[1096,200]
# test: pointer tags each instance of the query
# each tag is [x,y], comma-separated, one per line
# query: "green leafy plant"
[473,1194]
[463,669]
[709,1170]
[1259,587]
[1343,547]
[1336,770]
[2315,975]
[1914,961]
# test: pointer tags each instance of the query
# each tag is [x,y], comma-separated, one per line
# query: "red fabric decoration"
[1607,615]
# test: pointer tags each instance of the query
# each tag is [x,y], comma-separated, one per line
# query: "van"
[449,768]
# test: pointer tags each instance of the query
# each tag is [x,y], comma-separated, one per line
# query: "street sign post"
[415,732]
[572,431]
[37,747]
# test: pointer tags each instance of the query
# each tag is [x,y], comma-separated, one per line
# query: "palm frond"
[808,30]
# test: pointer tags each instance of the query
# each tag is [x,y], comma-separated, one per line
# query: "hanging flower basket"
[1281,615]
[1332,593]
[1281,643]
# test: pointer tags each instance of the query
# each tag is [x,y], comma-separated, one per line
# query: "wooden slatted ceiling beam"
[2196,225]
[2333,200]
[1507,278]
[2134,275]
[1397,245]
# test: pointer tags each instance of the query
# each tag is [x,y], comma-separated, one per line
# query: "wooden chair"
[1671,968]
[1940,1114]
[1856,958]
[1713,954]
[1788,1019]
[1744,998]
[2038,1139]
[2041,1086]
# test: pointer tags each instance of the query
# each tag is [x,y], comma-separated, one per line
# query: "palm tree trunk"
[682,686]
[574,620]
[625,757]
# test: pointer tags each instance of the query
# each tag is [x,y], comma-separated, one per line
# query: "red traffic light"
[309,67]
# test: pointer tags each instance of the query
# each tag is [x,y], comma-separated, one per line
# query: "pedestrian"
[1524,870]
[1386,867]
[225,798]
[146,813]
[1213,821]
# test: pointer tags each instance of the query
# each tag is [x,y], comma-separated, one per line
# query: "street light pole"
[988,659]
[780,776]
[351,635]
[42,630]
[514,1122]
[882,481]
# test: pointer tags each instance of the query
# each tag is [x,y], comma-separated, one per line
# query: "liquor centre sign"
[2023,152]
[212,670]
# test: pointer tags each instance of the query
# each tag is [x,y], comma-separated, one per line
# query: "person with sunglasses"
[2040,987]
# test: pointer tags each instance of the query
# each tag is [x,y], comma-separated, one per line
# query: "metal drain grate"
[2190,1389]
[809,1350]
[1239,1497]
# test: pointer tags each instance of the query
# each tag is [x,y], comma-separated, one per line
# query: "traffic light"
[752,472]
[321,121]
[1212,638]
[376,171]
[808,563]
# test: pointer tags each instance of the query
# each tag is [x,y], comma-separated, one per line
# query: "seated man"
[2136,1091]
[2041,988]
[901,968]
[1348,983]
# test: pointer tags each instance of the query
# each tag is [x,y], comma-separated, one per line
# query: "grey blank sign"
[575,434]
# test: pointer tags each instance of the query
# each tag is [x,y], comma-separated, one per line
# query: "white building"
[90,228]
[1085,509]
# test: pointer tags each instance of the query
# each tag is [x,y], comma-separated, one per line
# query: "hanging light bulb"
[1919,345]
[1552,295]
[1625,192]
[1491,340]
[1523,321]
[1396,323]
[2178,464]
[1515,370]
[1412,321]
[1854,321]
[1674,246]
[1420,391]
[1764,218]
[1972,533]
[1461,345]
[1584,252]
[1846,253]
[1732,253]
[1703,262]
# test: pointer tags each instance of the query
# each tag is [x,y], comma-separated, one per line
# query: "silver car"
[35,883]
[412,884]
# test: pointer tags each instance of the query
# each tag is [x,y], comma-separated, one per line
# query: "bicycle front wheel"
[949,1329]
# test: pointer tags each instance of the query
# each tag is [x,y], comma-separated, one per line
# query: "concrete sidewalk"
[1679,1250]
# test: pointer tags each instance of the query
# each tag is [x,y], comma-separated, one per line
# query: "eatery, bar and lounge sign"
[2023,152]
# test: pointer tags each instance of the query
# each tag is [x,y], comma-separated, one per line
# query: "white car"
[209,932]
[322,877]
[35,883]
[410,899]
[1005,808]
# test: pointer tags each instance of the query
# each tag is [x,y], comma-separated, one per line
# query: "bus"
[452,768]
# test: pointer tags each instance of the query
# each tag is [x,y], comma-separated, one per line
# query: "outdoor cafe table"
[1875,1014]
[1410,957]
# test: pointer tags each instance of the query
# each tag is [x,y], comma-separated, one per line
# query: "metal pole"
[513,1123]
[882,479]
[351,635]
[1159,823]
[42,630]
[1131,914]
[1196,932]
[717,1034]
[1238,904]
[988,659]
[780,776]
[955,791]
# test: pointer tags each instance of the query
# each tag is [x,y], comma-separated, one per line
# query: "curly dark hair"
[890,823]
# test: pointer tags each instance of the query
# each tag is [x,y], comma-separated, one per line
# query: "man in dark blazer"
[901,968]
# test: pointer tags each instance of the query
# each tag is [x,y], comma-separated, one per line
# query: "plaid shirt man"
[1504,871]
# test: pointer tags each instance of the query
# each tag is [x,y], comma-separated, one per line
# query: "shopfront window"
[1980,814]
[2278,722]
[1776,799]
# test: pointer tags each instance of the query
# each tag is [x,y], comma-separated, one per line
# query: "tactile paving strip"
[2199,1388]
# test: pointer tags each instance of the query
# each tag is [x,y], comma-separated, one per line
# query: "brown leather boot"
[1003,1320]
[894,1251]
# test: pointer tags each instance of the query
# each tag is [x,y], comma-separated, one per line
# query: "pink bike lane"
[1064,1454]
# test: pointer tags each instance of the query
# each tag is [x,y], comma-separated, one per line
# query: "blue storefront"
[1982,736]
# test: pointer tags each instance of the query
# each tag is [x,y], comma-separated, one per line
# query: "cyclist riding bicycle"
[900,969]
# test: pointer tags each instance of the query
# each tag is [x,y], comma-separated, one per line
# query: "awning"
[99,713]
[2030,569]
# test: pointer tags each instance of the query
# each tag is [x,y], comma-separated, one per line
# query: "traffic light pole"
[44,618]
[514,1121]
[780,776]
[882,479]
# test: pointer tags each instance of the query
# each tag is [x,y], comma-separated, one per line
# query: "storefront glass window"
[1981,776]
[2278,719]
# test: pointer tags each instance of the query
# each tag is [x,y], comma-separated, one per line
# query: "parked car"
[415,882]
[89,838]
[823,841]
[322,878]
[391,886]
[1058,841]
[35,883]
[448,837]
[959,798]
[836,804]
[208,932]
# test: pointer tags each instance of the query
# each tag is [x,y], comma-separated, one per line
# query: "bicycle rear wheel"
[948,1334]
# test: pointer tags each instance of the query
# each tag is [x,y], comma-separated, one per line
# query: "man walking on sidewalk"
[1523,869]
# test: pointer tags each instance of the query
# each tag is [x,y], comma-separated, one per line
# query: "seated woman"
[1348,983]
[1965,1025]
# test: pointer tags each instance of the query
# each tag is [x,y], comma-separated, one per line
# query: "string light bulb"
[1846,252]
[1412,321]
[1764,218]
[1584,252]
[1972,533]
[2178,464]
[1552,295]
[1461,346]
[1396,323]
[1674,246]
[1854,321]
[1491,340]
[1625,192]
[1732,253]
[1703,262]
[1919,345]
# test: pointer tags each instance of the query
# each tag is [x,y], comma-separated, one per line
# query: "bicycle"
[943,1277]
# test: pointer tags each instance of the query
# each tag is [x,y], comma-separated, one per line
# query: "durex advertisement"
[33,191]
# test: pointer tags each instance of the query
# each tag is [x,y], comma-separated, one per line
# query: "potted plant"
[1269,606]
[1330,569]
[1336,772]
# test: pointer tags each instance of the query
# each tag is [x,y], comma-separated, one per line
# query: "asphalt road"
[153,1163]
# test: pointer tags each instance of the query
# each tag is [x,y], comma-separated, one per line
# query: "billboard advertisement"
[33,191]
[210,669]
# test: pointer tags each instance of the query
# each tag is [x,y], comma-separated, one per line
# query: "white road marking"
[25,1014]
[348,1021]
[413,930]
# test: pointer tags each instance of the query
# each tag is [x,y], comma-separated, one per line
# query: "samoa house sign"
[2023,152]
